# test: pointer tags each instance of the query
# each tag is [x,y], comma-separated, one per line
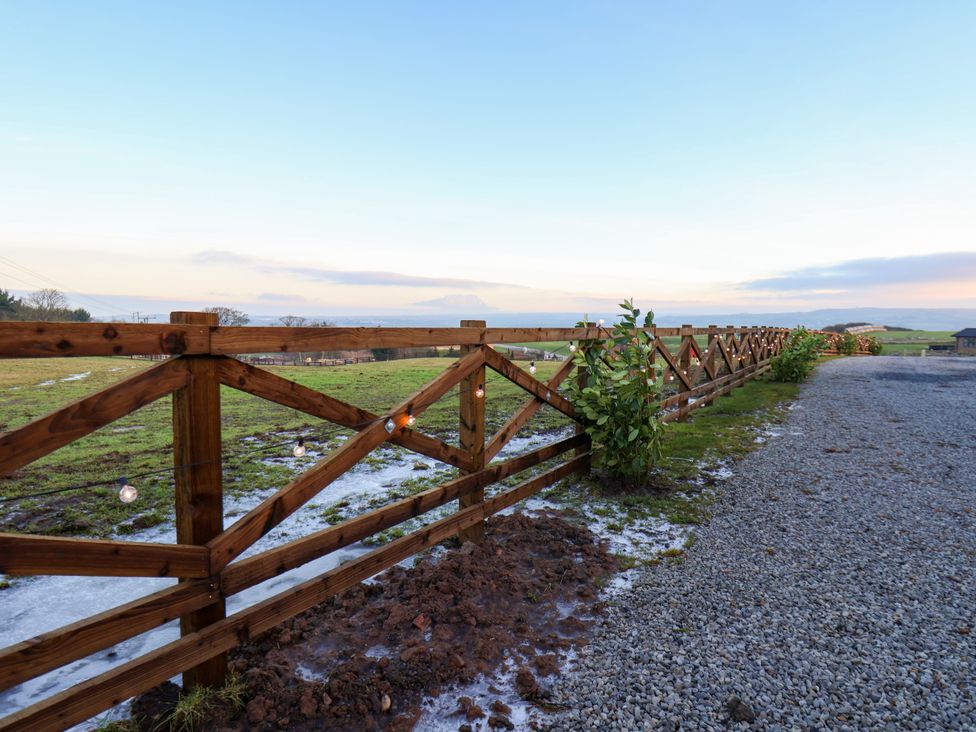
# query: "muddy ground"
[367,658]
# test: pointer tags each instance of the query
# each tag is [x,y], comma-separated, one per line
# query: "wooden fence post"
[472,434]
[580,429]
[199,493]
[684,363]
[712,338]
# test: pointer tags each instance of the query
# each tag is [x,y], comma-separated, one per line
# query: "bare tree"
[228,316]
[292,321]
[48,299]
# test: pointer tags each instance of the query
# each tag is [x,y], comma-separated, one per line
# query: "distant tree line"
[47,304]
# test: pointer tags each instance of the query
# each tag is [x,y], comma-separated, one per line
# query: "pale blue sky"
[552,155]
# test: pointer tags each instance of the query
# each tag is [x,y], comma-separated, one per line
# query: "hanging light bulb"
[532,368]
[411,420]
[127,493]
[390,425]
[299,449]
[480,391]
[601,321]
[548,395]
[572,347]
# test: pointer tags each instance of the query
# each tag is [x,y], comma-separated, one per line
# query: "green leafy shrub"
[847,344]
[874,346]
[620,399]
[795,362]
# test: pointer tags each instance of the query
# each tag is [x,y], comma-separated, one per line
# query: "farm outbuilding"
[966,341]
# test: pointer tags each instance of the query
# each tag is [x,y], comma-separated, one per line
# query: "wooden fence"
[705,363]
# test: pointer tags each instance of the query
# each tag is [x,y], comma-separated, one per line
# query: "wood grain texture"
[46,340]
[38,655]
[246,573]
[528,410]
[198,482]
[517,376]
[108,689]
[47,555]
[274,388]
[275,509]
[471,435]
[62,427]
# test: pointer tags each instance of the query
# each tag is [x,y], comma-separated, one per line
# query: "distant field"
[142,441]
[899,342]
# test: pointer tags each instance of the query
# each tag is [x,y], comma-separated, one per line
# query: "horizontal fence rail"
[699,365]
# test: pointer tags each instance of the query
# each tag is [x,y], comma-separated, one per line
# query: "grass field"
[142,441]
[904,342]
[254,430]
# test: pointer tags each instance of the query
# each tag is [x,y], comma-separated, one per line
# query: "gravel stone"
[833,588]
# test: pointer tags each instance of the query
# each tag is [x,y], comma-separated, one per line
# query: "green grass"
[898,342]
[725,428]
[142,441]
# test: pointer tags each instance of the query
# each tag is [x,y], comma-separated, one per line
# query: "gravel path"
[834,589]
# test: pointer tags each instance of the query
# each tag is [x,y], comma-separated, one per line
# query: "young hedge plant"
[847,344]
[619,401]
[795,362]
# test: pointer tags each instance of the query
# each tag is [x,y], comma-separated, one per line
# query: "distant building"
[858,329]
[966,341]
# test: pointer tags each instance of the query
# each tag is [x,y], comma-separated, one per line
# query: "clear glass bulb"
[127,493]
[600,321]
[548,395]
[411,420]
[532,368]
[572,347]
[479,392]
[390,425]
[299,449]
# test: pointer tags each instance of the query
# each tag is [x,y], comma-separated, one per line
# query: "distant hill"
[913,318]
[909,318]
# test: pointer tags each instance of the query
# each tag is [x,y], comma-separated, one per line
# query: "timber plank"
[113,687]
[274,388]
[518,420]
[25,555]
[275,509]
[517,376]
[47,340]
[38,655]
[62,427]
[246,573]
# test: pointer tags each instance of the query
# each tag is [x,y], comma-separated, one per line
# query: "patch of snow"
[77,377]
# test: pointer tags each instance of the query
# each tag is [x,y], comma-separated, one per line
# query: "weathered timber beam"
[670,360]
[274,388]
[275,509]
[82,701]
[62,427]
[238,576]
[43,340]
[38,655]
[518,420]
[34,555]
[498,363]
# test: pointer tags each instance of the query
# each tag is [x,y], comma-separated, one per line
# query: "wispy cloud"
[280,297]
[458,303]
[337,276]
[862,273]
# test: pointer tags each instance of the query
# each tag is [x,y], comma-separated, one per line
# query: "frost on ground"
[461,639]
[387,474]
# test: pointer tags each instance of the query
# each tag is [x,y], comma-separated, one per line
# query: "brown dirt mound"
[365,659]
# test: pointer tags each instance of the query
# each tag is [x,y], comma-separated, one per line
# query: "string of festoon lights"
[128,491]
